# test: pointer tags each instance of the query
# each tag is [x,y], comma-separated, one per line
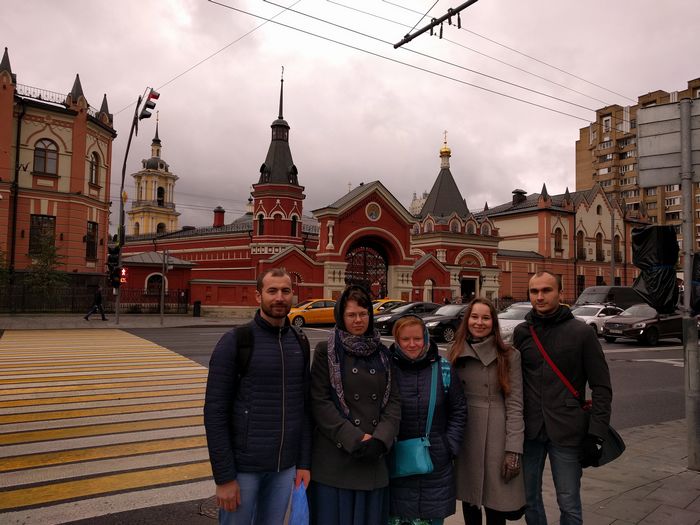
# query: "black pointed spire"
[5,65]
[104,108]
[279,167]
[77,91]
[544,193]
[156,139]
[444,197]
[486,206]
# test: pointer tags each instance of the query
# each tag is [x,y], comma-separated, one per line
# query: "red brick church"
[367,236]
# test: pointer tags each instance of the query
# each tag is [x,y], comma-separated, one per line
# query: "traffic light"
[123,275]
[113,272]
[149,104]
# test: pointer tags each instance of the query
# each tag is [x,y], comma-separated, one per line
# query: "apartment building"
[606,153]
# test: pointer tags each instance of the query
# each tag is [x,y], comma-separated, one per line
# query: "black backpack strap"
[304,343]
[244,348]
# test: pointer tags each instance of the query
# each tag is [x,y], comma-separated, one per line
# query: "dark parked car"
[443,322]
[385,322]
[643,323]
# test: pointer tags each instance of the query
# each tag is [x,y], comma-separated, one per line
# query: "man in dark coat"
[96,305]
[555,423]
[258,420]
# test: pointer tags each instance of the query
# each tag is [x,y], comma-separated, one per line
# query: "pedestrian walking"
[96,305]
[489,460]
[556,424]
[426,499]
[256,410]
[356,408]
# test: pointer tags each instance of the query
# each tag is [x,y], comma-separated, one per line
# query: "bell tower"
[277,197]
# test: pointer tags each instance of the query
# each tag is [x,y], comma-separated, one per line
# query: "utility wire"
[425,55]
[215,53]
[523,70]
[422,17]
[407,64]
[523,54]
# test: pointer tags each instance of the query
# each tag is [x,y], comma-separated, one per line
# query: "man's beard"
[275,310]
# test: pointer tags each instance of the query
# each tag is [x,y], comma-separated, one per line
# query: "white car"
[511,317]
[595,315]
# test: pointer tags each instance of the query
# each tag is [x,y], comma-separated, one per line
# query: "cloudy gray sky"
[356,114]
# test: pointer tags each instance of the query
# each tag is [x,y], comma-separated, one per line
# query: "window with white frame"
[630,193]
[628,180]
[604,171]
[673,187]
[627,167]
[673,201]
[607,123]
[651,191]
[605,144]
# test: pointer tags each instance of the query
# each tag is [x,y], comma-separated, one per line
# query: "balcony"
[153,203]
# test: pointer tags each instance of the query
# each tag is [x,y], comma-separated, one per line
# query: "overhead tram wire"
[523,54]
[400,62]
[507,82]
[214,53]
[523,70]
[422,17]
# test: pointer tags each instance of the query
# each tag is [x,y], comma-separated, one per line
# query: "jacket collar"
[484,351]
[262,323]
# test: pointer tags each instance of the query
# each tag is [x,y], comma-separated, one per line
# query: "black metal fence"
[22,299]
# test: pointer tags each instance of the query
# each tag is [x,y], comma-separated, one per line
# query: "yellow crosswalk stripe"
[45,459]
[45,373]
[103,484]
[99,397]
[11,438]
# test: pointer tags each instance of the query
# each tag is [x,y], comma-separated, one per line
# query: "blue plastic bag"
[299,514]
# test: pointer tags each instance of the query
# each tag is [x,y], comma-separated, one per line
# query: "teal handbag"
[411,457]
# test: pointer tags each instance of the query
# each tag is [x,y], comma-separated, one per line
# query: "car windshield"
[448,309]
[639,310]
[585,311]
[402,308]
[303,303]
[517,313]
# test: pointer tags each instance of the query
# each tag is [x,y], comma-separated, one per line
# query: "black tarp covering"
[655,253]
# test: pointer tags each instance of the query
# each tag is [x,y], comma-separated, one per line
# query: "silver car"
[511,317]
[595,315]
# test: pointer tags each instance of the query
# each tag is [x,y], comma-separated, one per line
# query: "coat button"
[339,445]
[375,422]
[357,422]
[372,371]
[354,370]
[374,397]
[356,397]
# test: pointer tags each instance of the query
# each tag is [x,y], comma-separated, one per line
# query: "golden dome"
[445,150]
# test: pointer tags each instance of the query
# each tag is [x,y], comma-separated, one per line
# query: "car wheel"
[595,328]
[651,336]
[299,321]
[610,339]
[448,334]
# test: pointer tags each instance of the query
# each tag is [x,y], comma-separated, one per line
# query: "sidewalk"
[649,484]
[72,321]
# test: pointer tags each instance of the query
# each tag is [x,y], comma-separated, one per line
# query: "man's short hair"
[557,278]
[275,272]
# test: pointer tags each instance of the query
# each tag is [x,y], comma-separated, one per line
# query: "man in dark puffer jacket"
[258,426]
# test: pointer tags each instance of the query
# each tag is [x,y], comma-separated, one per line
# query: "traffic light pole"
[120,231]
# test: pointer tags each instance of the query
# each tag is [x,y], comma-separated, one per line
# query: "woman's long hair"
[502,349]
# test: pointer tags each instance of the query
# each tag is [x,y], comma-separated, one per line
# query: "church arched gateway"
[367,266]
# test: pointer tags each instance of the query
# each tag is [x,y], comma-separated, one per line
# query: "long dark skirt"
[333,506]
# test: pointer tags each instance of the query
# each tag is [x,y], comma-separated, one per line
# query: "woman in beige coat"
[488,464]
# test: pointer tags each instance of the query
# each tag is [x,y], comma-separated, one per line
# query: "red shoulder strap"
[551,363]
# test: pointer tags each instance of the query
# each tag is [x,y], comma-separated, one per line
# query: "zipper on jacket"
[284,401]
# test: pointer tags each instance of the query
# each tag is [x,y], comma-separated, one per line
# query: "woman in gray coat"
[356,407]
[488,463]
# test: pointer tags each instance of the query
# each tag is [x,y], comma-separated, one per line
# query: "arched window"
[580,246]
[294,226]
[558,240]
[616,249]
[599,256]
[154,283]
[485,229]
[94,169]
[429,227]
[416,229]
[471,229]
[454,227]
[137,228]
[161,195]
[46,157]
[599,210]
[160,228]
[261,224]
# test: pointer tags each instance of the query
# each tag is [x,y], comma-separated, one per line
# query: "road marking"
[82,419]
[672,362]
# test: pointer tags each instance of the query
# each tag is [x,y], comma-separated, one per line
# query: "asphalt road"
[647,381]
